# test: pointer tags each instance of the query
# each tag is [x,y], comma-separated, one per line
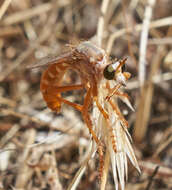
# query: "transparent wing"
[51,59]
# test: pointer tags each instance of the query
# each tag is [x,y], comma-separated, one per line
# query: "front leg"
[112,91]
[114,106]
[106,116]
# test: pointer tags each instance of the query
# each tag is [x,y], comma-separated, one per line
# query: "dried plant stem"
[9,31]
[156,79]
[143,41]
[151,178]
[100,30]
[7,101]
[42,37]
[74,183]
[9,135]
[149,167]
[27,14]
[7,112]
[154,24]
[133,4]
[100,27]
[163,146]
[144,108]
[130,48]
[105,171]
[25,172]
[4,7]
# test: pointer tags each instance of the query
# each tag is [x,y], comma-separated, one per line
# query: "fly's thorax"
[91,51]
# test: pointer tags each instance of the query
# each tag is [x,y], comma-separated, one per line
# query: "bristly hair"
[115,136]
[116,132]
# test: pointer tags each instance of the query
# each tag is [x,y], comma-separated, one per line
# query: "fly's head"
[116,71]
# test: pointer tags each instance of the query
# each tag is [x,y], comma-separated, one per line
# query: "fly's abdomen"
[50,80]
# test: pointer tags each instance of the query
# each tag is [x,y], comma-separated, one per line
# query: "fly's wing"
[52,59]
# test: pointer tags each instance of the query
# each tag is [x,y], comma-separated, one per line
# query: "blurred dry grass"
[42,150]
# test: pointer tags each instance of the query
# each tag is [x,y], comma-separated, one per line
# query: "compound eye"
[109,72]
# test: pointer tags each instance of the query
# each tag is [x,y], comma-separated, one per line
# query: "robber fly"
[92,65]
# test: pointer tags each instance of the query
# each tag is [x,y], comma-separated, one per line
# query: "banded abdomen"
[50,80]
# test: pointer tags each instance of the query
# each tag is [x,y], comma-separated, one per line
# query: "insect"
[92,65]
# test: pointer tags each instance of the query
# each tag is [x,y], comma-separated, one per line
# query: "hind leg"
[54,99]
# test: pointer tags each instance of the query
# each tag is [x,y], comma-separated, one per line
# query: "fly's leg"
[53,97]
[74,105]
[101,109]
[114,106]
[87,119]
[113,91]
[117,111]
[106,116]
[122,95]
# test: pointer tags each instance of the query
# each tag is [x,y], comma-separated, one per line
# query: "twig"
[130,48]
[160,41]
[75,181]
[4,7]
[143,41]
[133,4]
[7,101]
[157,79]
[42,37]
[10,31]
[100,27]
[148,167]
[154,24]
[163,146]
[105,171]
[151,178]
[145,102]
[27,14]
[24,171]
[100,30]
[32,119]
[9,135]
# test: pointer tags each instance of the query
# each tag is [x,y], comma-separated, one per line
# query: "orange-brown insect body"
[93,66]
[86,59]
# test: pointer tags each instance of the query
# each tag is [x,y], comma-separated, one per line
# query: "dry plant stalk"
[102,79]
[143,41]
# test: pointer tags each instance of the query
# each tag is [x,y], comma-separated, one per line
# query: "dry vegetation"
[40,149]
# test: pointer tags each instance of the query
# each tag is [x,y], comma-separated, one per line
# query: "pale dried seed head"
[112,131]
[105,131]
[121,137]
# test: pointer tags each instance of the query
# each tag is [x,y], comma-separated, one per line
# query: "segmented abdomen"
[50,80]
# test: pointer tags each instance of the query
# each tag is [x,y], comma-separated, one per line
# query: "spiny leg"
[106,116]
[74,105]
[113,91]
[115,107]
[87,119]
[101,109]
[54,99]
[117,111]
[122,94]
